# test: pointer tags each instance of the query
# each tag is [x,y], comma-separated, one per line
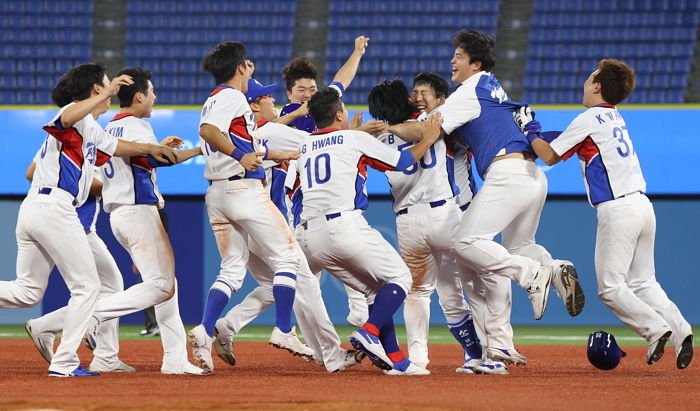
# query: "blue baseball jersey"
[307,123]
[481,116]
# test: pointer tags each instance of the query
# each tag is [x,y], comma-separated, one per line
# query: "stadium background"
[545,50]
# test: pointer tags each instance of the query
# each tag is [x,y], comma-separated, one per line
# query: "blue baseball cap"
[255,90]
[603,351]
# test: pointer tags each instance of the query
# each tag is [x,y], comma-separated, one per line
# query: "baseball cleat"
[406,367]
[370,345]
[469,364]
[42,341]
[119,366]
[184,369]
[90,337]
[685,353]
[538,292]
[201,347]
[223,345]
[290,342]
[656,349]
[78,372]
[491,367]
[565,281]
[353,357]
[150,332]
[507,356]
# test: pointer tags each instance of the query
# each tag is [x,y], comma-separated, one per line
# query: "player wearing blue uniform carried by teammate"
[624,252]
[512,197]
[300,77]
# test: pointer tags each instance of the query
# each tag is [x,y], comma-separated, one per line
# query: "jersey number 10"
[324,158]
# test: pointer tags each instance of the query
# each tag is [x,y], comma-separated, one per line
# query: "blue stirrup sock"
[465,334]
[386,302]
[283,290]
[218,297]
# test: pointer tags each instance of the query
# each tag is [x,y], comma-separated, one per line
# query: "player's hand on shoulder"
[432,127]
[302,110]
[172,142]
[117,82]
[163,154]
[361,43]
[251,161]
[282,156]
[374,127]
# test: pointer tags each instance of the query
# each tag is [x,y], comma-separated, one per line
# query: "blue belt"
[464,206]
[432,205]
[48,190]
[329,217]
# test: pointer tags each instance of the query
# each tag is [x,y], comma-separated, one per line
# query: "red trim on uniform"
[102,158]
[74,153]
[325,130]
[415,115]
[605,105]
[374,163]
[239,127]
[141,161]
[262,123]
[121,116]
[68,136]
[218,89]
[295,187]
[397,356]
[585,149]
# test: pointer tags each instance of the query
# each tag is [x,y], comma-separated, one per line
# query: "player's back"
[333,170]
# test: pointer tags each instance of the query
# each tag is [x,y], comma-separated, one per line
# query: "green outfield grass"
[524,335]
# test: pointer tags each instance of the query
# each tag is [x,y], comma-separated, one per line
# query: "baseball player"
[309,307]
[43,330]
[515,188]
[335,236]
[624,252]
[490,296]
[132,198]
[300,78]
[240,209]
[49,231]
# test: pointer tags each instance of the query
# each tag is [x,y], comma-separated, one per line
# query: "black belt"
[234,178]
[329,217]
[432,205]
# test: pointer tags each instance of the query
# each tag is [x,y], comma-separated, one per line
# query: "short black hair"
[435,81]
[389,101]
[298,68]
[323,106]
[479,46]
[223,61]
[77,83]
[140,76]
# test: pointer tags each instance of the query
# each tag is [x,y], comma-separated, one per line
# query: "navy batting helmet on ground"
[603,351]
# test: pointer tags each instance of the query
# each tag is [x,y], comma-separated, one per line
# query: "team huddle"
[285,201]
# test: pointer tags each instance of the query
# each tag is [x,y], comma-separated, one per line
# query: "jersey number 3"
[619,134]
[315,173]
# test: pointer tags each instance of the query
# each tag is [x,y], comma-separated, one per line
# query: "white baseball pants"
[107,351]
[49,232]
[139,229]
[510,202]
[624,265]
[240,210]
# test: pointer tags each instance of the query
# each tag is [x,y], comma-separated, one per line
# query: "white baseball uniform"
[624,252]
[49,232]
[424,201]
[130,194]
[238,205]
[333,233]
[512,197]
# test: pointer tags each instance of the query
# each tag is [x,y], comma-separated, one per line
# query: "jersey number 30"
[321,170]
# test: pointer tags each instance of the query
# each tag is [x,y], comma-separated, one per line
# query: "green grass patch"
[523,335]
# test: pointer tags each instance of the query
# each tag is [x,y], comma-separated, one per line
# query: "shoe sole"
[461,370]
[659,349]
[375,359]
[90,342]
[499,356]
[223,353]
[306,357]
[487,371]
[545,298]
[685,355]
[194,342]
[37,343]
[575,299]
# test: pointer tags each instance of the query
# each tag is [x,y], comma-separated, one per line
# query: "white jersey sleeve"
[333,170]
[460,107]
[130,180]
[608,160]
[69,155]
[463,174]
[227,109]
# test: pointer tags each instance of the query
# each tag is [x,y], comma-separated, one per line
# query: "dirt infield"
[558,377]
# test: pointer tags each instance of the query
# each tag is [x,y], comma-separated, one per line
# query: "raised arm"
[347,73]
[216,139]
[411,131]
[160,153]
[299,112]
[77,111]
